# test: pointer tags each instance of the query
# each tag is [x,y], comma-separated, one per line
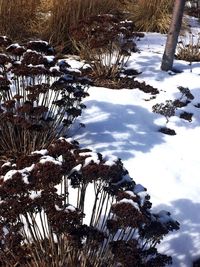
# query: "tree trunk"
[172,37]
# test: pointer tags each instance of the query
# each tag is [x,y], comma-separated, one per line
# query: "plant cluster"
[126,82]
[105,42]
[169,108]
[166,109]
[192,8]
[191,51]
[43,202]
[185,94]
[49,19]
[154,15]
[40,97]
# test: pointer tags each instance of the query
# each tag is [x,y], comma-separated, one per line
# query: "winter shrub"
[40,96]
[166,109]
[192,8]
[105,43]
[189,52]
[185,93]
[67,206]
[151,15]
[169,108]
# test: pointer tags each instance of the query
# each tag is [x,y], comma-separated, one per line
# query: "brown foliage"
[17,17]
[40,100]
[43,201]
[68,13]
[151,15]
[105,42]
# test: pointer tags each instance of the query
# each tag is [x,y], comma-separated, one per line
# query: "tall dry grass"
[49,19]
[68,13]
[151,15]
[17,17]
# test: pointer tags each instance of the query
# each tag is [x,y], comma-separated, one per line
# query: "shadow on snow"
[185,242]
[119,129]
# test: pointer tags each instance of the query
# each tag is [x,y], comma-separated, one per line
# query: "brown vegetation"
[189,51]
[51,19]
[154,15]
[17,17]
[68,13]
[44,199]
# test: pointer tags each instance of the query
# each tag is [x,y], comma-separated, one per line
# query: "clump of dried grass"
[17,17]
[151,15]
[49,19]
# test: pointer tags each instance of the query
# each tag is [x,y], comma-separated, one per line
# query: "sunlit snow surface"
[121,122]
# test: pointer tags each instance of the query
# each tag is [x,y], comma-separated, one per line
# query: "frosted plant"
[40,97]
[67,206]
[166,109]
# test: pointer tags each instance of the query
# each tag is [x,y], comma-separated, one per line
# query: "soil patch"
[186,116]
[125,83]
[168,131]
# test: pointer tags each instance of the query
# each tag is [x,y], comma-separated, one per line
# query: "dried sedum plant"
[105,43]
[168,109]
[67,206]
[40,97]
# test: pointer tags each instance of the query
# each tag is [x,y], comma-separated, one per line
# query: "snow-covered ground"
[121,122]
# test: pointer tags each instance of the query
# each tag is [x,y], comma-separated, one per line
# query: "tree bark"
[172,37]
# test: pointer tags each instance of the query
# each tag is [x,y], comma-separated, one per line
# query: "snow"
[42,152]
[139,189]
[6,164]
[91,157]
[110,159]
[76,169]
[34,194]
[39,41]
[68,208]
[9,174]
[130,201]
[47,158]
[130,193]
[16,45]
[24,172]
[75,64]
[121,123]
[49,59]
[163,216]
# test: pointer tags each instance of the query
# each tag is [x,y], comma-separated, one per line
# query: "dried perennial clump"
[169,108]
[47,218]
[40,97]
[105,42]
